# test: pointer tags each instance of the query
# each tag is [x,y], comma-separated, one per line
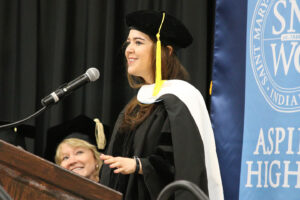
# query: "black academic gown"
[169,146]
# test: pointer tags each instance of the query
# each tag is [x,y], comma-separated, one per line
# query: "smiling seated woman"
[80,157]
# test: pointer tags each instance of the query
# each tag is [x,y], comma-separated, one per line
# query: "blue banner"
[270,167]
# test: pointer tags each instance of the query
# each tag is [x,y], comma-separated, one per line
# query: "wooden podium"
[27,176]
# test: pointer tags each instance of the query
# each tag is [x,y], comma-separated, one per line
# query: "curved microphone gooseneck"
[14,124]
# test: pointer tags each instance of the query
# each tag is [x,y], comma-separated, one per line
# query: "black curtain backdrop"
[45,43]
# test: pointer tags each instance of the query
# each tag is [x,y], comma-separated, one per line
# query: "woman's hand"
[123,165]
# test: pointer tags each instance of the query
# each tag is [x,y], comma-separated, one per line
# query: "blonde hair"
[74,142]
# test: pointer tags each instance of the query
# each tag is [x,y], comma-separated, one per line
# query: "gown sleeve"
[158,167]
[188,148]
[177,152]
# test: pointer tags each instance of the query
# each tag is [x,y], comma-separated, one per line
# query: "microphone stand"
[92,74]
[23,120]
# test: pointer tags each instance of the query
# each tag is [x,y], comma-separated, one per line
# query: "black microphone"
[92,74]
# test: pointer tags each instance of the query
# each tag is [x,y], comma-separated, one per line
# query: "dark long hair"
[136,112]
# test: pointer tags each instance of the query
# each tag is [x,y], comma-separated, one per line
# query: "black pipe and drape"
[45,43]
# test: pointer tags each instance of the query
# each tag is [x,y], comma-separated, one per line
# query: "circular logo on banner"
[275,52]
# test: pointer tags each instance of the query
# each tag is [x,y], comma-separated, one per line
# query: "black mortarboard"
[80,127]
[172,32]
[166,29]
[22,135]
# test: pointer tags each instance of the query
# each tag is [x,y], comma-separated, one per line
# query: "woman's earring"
[97,166]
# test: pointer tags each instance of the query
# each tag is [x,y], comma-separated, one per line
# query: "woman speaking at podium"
[164,133]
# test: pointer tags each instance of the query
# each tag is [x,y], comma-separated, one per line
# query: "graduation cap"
[22,135]
[173,32]
[165,28]
[80,127]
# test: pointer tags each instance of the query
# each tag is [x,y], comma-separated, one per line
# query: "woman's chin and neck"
[94,177]
[148,80]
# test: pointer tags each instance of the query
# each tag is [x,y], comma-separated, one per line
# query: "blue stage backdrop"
[271,151]
[255,106]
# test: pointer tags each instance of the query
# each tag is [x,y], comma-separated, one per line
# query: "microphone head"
[93,74]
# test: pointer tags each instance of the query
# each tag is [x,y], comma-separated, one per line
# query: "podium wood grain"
[26,176]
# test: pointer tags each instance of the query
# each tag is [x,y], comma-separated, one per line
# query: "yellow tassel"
[158,81]
[99,133]
[210,88]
